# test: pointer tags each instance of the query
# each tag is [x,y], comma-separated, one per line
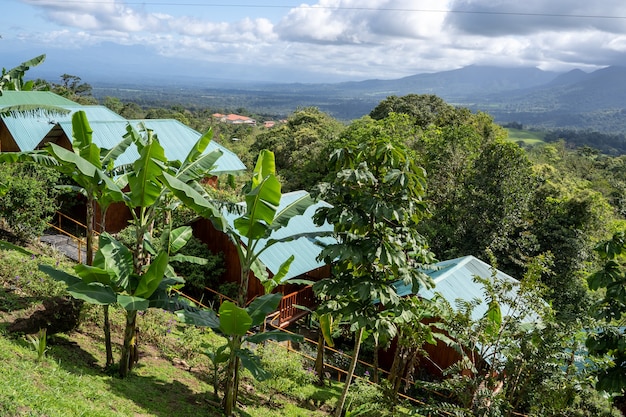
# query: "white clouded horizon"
[346,39]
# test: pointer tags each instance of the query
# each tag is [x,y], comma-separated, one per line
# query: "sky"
[318,41]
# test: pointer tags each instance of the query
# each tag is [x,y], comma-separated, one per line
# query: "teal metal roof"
[454,279]
[305,249]
[177,140]
[28,130]
[43,98]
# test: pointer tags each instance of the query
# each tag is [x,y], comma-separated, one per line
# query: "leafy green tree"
[90,168]
[377,202]
[72,88]
[611,339]
[423,109]
[134,275]
[301,147]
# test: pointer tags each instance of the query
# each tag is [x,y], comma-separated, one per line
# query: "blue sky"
[322,40]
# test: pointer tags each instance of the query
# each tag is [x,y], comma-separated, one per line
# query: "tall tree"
[301,147]
[377,202]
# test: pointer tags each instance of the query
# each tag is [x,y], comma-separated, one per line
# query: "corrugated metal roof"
[454,279]
[177,140]
[28,130]
[43,98]
[305,249]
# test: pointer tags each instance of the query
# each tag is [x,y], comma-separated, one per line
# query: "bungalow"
[33,130]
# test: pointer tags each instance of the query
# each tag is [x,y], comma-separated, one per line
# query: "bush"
[28,202]
[288,373]
[200,276]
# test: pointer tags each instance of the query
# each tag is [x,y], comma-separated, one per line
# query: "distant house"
[234,119]
[305,250]
[268,124]
[28,131]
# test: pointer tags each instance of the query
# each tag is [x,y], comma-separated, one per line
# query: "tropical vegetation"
[414,181]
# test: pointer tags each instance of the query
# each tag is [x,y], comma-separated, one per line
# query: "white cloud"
[356,38]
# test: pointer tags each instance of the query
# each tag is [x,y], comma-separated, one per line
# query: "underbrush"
[173,376]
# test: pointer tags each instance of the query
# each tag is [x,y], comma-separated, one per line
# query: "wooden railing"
[290,305]
[80,242]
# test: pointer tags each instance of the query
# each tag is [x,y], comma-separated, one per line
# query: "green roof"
[41,98]
[29,129]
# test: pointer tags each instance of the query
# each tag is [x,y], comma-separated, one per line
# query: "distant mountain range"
[535,98]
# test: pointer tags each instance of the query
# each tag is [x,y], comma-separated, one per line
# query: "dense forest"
[414,181]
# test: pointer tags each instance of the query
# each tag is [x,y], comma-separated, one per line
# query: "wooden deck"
[295,306]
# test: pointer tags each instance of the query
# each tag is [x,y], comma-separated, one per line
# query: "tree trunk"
[375,370]
[346,387]
[129,348]
[90,233]
[107,336]
[319,358]
[231,375]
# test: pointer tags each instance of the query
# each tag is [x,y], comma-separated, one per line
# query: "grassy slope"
[526,136]
[70,380]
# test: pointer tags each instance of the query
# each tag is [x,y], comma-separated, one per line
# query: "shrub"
[200,276]
[288,373]
[28,203]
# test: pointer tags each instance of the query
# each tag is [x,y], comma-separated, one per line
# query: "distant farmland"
[527,136]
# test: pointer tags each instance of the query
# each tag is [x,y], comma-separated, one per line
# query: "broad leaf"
[150,279]
[179,238]
[131,303]
[284,268]
[234,320]
[326,326]
[253,364]
[494,319]
[188,258]
[296,208]
[200,168]
[94,293]
[200,146]
[94,274]
[194,200]
[201,318]
[109,156]
[261,306]
[115,257]
[59,275]
[145,188]
[86,168]
[82,144]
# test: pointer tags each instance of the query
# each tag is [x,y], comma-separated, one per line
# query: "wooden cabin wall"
[7,143]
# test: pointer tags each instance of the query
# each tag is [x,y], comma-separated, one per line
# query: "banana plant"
[134,275]
[251,235]
[236,324]
[90,168]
